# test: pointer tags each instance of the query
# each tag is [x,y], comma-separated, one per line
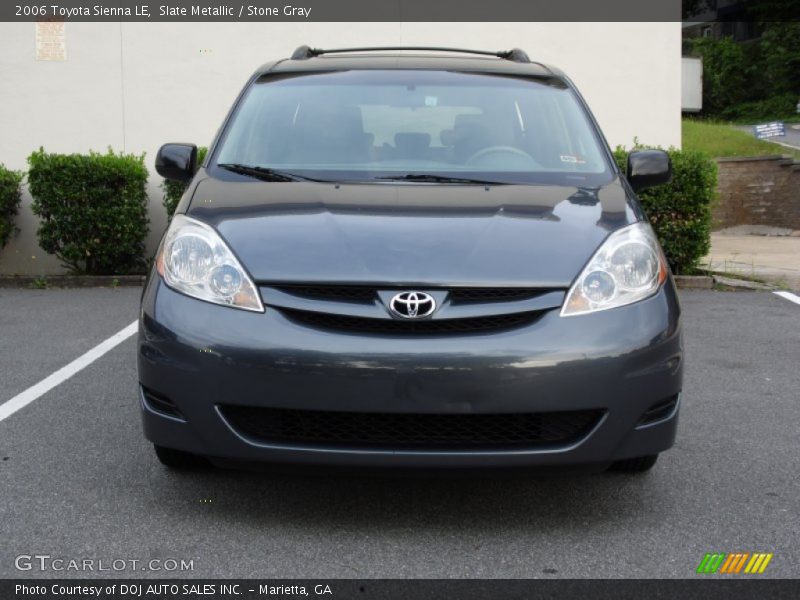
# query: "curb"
[742,284]
[694,282]
[72,281]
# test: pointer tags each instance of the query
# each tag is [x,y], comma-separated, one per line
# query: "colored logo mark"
[737,562]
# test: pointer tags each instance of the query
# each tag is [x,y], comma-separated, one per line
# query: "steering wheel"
[501,154]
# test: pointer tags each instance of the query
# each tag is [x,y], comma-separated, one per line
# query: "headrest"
[412,140]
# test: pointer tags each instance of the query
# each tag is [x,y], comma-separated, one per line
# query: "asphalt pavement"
[78,481]
[791,137]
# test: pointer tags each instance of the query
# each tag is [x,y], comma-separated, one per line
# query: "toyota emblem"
[412,305]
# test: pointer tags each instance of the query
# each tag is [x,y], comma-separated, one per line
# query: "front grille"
[366,294]
[335,293]
[400,430]
[481,295]
[422,327]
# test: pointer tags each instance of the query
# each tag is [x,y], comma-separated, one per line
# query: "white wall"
[133,86]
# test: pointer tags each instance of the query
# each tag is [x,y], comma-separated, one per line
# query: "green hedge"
[93,209]
[10,195]
[757,80]
[680,211]
[173,190]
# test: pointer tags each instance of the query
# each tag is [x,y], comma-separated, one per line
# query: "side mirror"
[177,161]
[647,168]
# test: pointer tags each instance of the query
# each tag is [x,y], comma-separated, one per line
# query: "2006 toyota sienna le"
[417,259]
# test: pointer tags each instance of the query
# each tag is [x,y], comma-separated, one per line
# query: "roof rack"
[515,54]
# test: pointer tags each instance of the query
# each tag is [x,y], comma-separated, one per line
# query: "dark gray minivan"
[418,257]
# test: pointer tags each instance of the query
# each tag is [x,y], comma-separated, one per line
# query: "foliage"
[173,190]
[781,107]
[39,283]
[780,52]
[10,195]
[680,211]
[754,81]
[725,73]
[93,209]
[693,8]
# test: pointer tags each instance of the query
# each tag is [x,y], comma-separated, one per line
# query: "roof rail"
[515,54]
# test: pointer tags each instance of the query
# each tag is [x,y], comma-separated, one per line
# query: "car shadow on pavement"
[443,500]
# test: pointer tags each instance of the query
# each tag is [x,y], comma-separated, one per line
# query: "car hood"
[412,234]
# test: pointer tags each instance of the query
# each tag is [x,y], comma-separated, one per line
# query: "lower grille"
[420,431]
[422,327]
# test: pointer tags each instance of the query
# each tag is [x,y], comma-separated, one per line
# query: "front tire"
[178,459]
[640,464]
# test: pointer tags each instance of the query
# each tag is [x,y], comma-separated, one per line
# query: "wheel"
[178,459]
[640,464]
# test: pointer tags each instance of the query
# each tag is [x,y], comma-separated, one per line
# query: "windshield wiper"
[432,178]
[264,173]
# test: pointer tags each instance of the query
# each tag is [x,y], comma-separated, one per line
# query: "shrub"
[680,211]
[757,80]
[775,107]
[725,73]
[780,52]
[93,209]
[173,190]
[10,195]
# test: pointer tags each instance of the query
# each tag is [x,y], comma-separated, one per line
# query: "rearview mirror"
[647,168]
[177,161]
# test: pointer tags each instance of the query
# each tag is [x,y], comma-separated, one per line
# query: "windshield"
[425,126]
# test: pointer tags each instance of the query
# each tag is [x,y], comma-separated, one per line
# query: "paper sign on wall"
[51,40]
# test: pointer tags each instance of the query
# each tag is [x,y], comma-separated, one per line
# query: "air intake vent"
[660,410]
[393,430]
[422,327]
[485,295]
[332,293]
[161,404]
[367,295]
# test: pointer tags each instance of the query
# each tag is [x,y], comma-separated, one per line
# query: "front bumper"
[199,355]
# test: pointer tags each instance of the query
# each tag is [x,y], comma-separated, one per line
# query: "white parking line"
[22,399]
[789,296]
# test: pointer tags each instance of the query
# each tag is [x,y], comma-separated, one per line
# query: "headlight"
[194,260]
[628,267]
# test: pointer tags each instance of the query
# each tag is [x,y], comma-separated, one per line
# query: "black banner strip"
[342,10]
[706,587]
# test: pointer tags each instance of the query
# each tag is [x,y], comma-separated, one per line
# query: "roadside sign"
[769,130]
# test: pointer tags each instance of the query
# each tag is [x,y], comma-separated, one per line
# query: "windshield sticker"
[572,158]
